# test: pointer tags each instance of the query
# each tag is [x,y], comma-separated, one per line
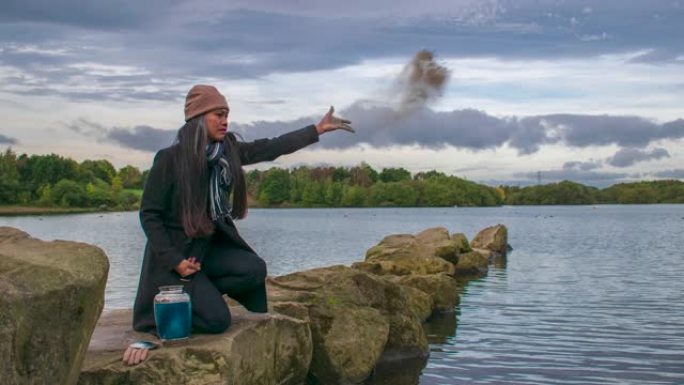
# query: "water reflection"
[441,327]
[397,372]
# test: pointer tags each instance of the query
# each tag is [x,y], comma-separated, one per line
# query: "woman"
[187,216]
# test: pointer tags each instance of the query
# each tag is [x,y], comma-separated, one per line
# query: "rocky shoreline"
[331,325]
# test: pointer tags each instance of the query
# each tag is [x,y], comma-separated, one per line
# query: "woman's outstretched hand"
[331,123]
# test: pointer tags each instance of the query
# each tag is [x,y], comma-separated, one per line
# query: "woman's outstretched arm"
[269,149]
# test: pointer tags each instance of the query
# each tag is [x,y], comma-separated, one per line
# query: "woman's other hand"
[187,267]
[331,123]
[134,356]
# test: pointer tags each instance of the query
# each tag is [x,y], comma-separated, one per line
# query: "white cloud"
[101,69]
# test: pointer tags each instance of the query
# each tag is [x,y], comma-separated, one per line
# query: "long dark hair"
[192,177]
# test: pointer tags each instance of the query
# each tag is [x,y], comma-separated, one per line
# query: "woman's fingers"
[347,127]
[133,356]
[139,355]
[331,122]
[127,355]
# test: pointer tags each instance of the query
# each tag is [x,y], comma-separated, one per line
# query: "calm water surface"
[588,296]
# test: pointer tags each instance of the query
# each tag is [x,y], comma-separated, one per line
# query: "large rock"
[52,296]
[405,265]
[435,242]
[431,251]
[355,318]
[406,254]
[493,238]
[443,290]
[461,243]
[472,264]
[257,349]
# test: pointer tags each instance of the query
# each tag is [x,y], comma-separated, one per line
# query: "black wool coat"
[160,216]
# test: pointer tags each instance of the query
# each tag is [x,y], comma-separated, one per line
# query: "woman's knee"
[215,323]
[216,327]
[258,270]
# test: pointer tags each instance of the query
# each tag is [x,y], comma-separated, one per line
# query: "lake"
[589,295]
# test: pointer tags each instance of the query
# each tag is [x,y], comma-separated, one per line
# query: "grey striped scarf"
[220,181]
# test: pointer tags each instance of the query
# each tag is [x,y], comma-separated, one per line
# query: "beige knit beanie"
[202,98]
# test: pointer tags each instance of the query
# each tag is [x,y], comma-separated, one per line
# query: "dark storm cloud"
[84,13]
[142,138]
[582,166]
[674,173]
[88,128]
[7,140]
[477,130]
[585,130]
[174,39]
[626,157]
[383,127]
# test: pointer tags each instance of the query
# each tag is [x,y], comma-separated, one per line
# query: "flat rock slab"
[257,349]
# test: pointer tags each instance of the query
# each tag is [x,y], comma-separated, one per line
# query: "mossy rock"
[472,264]
[355,317]
[398,245]
[257,349]
[347,343]
[406,265]
[52,296]
[494,238]
[460,242]
[443,290]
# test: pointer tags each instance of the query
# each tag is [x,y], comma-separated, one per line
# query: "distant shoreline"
[11,211]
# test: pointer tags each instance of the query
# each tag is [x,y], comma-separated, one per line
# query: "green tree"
[333,193]
[393,194]
[436,192]
[429,175]
[353,196]
[341,174]
[143,178]
[9,178]
[363,175]
[99,193]
[117,185]
[130,177]
[45,195]
[274,187]
[68,193]
[101,169]
[394,175]
[313,194]
[38,170]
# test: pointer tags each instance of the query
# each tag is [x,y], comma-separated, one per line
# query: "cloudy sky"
[589,91]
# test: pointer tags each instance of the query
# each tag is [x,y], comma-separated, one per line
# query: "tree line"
[56,181]
[570,193]
[362,186]
[53,180]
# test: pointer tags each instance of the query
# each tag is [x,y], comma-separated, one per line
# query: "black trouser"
[232,270]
